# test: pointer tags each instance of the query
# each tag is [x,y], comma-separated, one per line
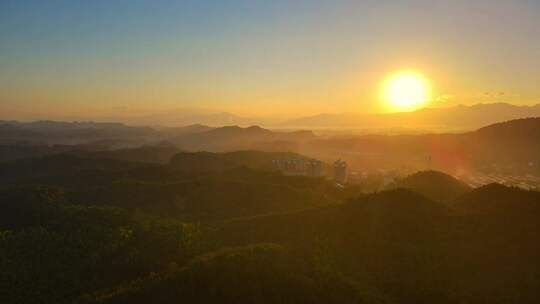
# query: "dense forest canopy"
[156,224]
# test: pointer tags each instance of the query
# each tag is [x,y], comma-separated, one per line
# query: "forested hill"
[194,186]
[147,233]
[414,250]
[434,185]
[130,227]
[207,161]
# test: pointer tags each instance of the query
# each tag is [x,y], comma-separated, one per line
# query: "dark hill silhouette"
[212,198]
[511,141]
[9,152]
[144,154]
[260,273]
[67,165]
[396,203]
[500,200]
[379,237]
[236,138]
[513,128]
[516,151]
[435,185]
[201,162]
[371,216]
[9,132]
[216,189]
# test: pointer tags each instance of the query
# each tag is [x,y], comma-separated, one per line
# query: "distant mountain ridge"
[60,132]
[117,135]
[190,116]
[459,117]
[508,146]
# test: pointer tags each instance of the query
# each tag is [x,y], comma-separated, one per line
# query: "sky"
[282,57]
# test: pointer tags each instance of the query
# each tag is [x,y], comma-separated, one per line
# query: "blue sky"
[270,57]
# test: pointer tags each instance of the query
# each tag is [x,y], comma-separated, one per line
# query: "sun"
[406,91]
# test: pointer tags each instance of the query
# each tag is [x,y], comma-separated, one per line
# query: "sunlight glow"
[406,91]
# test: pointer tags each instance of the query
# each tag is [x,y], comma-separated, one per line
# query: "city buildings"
[314,168]
[297,166]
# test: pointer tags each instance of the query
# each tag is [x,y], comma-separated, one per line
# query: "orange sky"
[96,59]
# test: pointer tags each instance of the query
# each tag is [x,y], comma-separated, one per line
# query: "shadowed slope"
[434,185]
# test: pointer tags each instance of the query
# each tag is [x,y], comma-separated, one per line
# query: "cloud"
[494,95]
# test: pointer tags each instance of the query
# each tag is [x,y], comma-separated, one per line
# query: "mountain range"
[190,116]
[511,146]
[457,118]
